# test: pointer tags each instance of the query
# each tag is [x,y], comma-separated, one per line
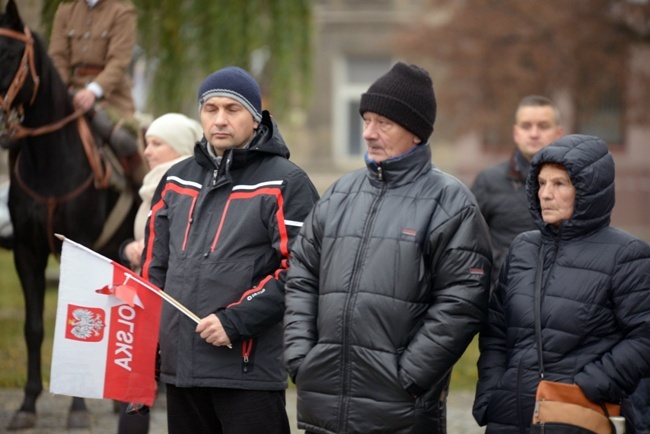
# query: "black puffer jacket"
[218,242]
[388,283]
[501,194]
[595,306]
[641,404]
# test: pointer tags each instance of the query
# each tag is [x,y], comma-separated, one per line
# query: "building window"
[352,77]
[604,118]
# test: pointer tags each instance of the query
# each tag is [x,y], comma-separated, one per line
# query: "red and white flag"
[106,329]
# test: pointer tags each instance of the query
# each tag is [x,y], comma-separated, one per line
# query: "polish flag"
[106,330]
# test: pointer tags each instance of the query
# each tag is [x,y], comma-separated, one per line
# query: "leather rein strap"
[26,67]
[101,170]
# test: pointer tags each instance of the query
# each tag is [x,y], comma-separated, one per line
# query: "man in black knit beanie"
[389,277]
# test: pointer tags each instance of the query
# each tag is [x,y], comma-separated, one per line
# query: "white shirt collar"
[92,3]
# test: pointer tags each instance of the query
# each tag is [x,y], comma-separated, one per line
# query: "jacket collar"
[519,166]
[400,170]
[267,141]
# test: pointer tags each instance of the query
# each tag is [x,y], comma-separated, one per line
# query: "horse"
[59,183]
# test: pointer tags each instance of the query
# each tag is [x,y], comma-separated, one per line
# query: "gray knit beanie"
[235,83]
[404,95]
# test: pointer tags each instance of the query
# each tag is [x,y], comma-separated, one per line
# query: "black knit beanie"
[405,96]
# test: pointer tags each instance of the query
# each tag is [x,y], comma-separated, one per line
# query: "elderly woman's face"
[556,194]
[158,151]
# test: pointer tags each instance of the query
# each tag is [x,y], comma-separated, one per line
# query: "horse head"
[32,93]
[19,79]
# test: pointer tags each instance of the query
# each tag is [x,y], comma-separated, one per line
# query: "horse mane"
[52,91]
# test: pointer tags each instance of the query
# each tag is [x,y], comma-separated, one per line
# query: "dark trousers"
[134,424]
[200,410]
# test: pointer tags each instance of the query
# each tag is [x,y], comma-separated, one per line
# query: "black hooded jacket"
[218,242]
[595,299]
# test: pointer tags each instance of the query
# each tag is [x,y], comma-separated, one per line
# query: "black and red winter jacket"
[217,240]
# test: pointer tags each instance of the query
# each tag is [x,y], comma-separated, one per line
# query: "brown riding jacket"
[96,44]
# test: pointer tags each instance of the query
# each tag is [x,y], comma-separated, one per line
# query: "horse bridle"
[11,125]
[13,116]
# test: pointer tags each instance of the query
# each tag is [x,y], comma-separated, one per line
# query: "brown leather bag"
[561,407]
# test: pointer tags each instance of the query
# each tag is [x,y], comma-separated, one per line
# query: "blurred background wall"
[592,57]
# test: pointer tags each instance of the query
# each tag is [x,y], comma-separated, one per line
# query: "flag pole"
[166,297]
[171,300]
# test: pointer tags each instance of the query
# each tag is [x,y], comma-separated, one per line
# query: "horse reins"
[102,172]
[26,67]
[51,203]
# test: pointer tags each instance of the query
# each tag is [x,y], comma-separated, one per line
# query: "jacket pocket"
[315,372]
[222,283]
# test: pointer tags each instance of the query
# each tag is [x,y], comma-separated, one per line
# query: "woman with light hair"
[169,139]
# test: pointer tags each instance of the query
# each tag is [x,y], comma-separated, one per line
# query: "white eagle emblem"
[85,324]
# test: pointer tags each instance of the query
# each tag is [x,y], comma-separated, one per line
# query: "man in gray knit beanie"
[230,105]
[217,239]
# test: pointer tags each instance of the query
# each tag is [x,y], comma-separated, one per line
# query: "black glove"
[134,408]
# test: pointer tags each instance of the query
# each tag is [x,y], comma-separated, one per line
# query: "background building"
[355,41]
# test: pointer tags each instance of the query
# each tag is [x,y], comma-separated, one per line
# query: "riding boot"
[123,142]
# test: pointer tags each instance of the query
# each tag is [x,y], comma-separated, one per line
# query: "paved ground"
[52,414]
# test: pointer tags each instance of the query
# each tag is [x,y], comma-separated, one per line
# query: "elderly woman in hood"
[595,294]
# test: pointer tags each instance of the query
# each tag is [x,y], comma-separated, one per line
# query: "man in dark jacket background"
[217,240]
[389,278]
[500,190]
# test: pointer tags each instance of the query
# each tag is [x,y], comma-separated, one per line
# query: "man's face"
[226,123]
[386,139]
[534,129]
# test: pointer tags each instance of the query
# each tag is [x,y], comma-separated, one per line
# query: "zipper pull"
[246,350]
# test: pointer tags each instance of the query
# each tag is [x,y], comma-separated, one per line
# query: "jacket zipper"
[349,307]
[554,250]
[246,350]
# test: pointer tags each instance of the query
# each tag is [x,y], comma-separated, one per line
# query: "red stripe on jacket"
[282,229]
[251,291]
[279,215]
[155,208]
